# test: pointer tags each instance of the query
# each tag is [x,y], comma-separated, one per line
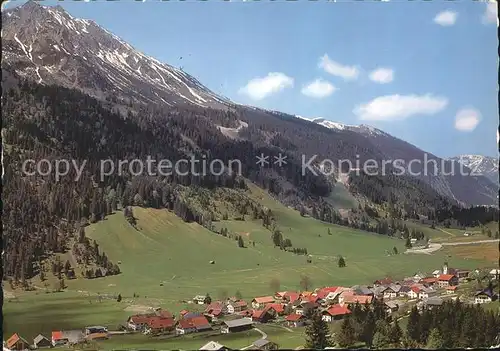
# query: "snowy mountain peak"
[48,45]
[362,128]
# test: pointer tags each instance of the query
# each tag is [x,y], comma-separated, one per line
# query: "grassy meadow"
[167,261]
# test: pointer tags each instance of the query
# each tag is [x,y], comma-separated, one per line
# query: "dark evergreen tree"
[318,333]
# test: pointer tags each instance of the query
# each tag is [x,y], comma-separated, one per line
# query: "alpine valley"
[73,90]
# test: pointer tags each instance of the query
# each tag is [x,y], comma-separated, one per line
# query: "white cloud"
[318,89]
[382,75]
[337,69]
[399,107]
[446,18]
[259,88]
[467,119]
[491,13]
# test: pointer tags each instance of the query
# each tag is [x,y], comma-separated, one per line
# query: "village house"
[291,297]
[392,306]
[279,295]
[335,312]
[192,325]
[216,309]
[391,291]
[326,291]
[264,344]
[139,321]
[483,296]
[445,280]
[157,325]
[295,320]
[16,342]
[432,302]
[277,308]
[403,292]
[236,325]
[262,316]
[213,346]
[259,302]
[495,273]
[40,342]
[306,306]
[425,293]
[236,306]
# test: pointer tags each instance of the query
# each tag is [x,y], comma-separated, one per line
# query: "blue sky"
[425,72]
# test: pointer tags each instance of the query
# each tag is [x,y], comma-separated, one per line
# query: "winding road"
[436,246]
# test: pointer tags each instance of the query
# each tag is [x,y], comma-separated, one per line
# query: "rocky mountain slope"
[480,165]
[476,182]
[48,46]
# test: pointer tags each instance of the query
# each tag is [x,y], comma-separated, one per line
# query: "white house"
[483,297]
[199,299]
[494,273]
[425,293]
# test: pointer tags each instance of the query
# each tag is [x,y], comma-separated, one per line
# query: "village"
[290,309]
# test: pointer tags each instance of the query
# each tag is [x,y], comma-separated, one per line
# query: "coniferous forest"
[41,213]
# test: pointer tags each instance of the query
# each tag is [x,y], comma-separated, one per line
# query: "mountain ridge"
[79,54]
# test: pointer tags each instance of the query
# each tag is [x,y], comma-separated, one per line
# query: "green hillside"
[165,261]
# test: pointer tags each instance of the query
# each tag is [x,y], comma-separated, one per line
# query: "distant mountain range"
[48,46]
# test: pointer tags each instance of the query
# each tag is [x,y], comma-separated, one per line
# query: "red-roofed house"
[278,308]
[259,302]
[324,292]
[413,293]
[236,306]
[139,322]
[445,280]
[295,320]
[291,296]
[451,289]
[216,309]
[16,342]
[335,312]
[191,325]
[262,316]
[279,295]
[159,325]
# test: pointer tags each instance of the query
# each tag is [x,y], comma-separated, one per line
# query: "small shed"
[41,341]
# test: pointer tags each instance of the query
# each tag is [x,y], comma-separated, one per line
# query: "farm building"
[264,344]
[335,312]
[295,320]
[451,289]
[16,342]
[192,325]
[277,308]
[305,306]
[236,325]
[67,337]
[95,329]
[41,341]
[213,346]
